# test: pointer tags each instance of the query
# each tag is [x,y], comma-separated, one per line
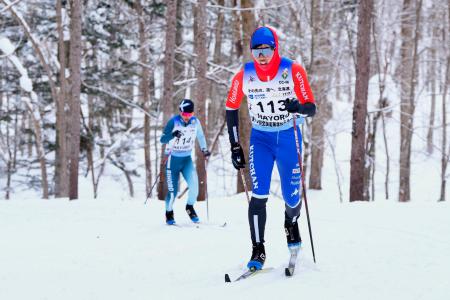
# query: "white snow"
[112,249]
[8,49]
[6,46]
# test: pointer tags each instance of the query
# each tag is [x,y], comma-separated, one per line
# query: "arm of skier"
[167,132]
[234,99]
[201,137]
[306,104]
[235,96]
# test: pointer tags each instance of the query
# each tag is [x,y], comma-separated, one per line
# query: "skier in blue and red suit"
[277,89]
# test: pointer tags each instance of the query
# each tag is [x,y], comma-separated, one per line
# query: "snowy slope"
[112,249]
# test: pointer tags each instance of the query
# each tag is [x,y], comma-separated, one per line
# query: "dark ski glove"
[206,153]
[177,134]
[237,156]
[294,106]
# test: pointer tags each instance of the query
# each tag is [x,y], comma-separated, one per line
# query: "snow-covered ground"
[121,249]
[115,247]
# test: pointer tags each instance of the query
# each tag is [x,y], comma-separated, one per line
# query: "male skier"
[180,133]
[277,89]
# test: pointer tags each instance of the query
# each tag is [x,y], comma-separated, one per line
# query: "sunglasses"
[186,114]
[266,52]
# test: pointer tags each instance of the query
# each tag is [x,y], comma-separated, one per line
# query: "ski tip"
[287,272]
[227,278]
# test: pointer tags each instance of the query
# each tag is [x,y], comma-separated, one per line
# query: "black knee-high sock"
[291,224]
[257,219]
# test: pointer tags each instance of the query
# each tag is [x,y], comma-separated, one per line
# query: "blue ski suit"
[179,156]
[272,140]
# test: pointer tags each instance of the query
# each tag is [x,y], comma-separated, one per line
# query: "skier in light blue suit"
[180,134]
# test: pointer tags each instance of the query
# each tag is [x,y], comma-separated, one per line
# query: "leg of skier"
[190,175]
[290,175]
[261,159]
[173,168]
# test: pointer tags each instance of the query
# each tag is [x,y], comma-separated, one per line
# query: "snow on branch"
[115,96]
[117,143]
[25,82]
[36,45]
[8,6]
[231,70]
[243,9]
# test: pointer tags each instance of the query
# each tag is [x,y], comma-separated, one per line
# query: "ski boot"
[169,218]
[258,257]
[294,241]
[192,214]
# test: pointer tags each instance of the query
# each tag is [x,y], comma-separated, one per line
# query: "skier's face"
[263,54]
[186,116]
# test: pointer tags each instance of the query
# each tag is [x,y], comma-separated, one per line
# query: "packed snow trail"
[112,249]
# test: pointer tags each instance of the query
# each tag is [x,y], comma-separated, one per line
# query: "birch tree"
[408,81]
[75,104]
[61,178]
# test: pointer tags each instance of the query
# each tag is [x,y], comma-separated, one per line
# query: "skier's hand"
[292,105]
[307,109]
[206,153]
[237,156]
[177,133]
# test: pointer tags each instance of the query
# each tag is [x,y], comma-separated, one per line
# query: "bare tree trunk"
[200,88]
[248,26]
[127,173]
[144,87]
[237,37]
[40,151]
[375,116]
[169,54]
[8,147]
[102,157]
[61,179]
[90,143]
[320,69]
[75,105]
[179,61]
[30,137]
[357,183]
[215,105]
[445,155]
[408,84]
[16,140]
[433,78]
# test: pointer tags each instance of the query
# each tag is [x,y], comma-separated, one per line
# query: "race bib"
[187,140]
[267,100]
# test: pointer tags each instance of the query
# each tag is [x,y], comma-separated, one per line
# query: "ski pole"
[299,156]
[164,164]
[245,184]
[151,189]
[206,188]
